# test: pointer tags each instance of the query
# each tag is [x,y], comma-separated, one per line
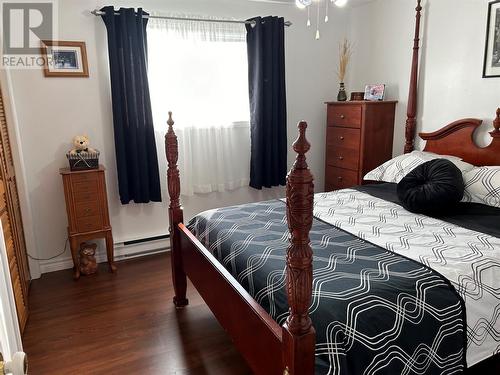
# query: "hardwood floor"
[124,324]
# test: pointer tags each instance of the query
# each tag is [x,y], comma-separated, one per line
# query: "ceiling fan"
[308,4]
[301,4]
[305,3]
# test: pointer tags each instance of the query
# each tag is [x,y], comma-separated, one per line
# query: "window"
[199,71]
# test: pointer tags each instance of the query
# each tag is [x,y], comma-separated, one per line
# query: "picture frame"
[374,92]
[491,67]
[64,59]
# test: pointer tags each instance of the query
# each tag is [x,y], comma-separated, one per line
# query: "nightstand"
[87,209]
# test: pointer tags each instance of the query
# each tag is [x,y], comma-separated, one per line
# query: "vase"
[342,96]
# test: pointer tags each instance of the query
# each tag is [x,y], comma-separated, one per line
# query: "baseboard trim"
[122,252]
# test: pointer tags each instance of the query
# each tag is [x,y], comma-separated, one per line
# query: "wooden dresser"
[358,139]
[87,208]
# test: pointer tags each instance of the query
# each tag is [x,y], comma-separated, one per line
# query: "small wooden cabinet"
[359,138]
[87,208]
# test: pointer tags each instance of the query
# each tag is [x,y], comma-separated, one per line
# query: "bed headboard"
[456,139]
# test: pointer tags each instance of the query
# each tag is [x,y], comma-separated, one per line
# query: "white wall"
[451,83]
[51,111]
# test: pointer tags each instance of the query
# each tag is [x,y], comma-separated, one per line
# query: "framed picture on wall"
[492,51]
[64,59]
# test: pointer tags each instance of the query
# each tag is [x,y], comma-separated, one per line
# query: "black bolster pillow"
[434,188]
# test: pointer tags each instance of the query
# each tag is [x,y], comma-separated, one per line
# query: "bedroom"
[44,113]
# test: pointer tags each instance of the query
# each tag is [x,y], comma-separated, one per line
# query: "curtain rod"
[96,12]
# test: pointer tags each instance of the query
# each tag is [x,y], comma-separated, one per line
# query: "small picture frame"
[374,92]
[492,50]
[64,59]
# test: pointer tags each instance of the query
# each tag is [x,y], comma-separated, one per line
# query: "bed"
[349,282]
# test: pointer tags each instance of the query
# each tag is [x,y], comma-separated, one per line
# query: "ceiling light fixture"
[302,4]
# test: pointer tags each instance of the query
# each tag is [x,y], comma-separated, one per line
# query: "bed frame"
[289,349]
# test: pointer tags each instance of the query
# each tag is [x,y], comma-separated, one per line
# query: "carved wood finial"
[170,122]
[301,146]
[172,152]
[299,334]
[496,124]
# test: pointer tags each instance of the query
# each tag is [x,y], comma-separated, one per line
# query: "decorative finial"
[301,145]
[419,5]
[170,122]
[496,125]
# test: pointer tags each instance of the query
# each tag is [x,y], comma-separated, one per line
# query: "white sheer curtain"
[199,71]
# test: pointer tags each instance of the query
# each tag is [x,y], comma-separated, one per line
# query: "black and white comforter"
[384,301]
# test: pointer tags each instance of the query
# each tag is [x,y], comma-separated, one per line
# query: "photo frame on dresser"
[492,50]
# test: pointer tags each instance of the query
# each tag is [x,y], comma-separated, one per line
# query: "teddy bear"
[88,263]
[81,144]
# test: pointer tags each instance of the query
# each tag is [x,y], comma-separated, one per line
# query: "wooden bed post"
[299,337]
[411,122]
[175,215]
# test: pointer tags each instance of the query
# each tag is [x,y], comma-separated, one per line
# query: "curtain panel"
[136,154]
[268,123]
[198,70]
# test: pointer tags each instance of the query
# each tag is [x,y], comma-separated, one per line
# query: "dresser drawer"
[85,209]
[344,115]
[343,137]
[338,178]
[85,196]
[88,177]
[85,187]
[342,157]
[89,223]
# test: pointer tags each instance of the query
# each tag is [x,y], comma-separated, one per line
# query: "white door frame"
[10,335]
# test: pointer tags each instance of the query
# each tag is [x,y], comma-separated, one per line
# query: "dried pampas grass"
[345,53]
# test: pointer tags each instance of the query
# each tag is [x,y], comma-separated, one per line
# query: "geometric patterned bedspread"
[374,311]
[469,260]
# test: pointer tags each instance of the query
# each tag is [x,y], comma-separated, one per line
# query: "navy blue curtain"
[135,146]
[266,74]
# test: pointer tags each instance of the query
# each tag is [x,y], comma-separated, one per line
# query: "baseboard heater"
[142,247]
[149,239]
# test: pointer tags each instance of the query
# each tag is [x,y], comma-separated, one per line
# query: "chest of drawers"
[87,209]
[359,138]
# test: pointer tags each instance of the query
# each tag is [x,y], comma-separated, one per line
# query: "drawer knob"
[341,138]
[342,117]
[339,178]
[341,158]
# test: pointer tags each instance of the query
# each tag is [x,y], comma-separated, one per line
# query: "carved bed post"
[411,122]
[175,215]
[299,336]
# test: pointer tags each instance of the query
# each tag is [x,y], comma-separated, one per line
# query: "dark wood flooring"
[124,324]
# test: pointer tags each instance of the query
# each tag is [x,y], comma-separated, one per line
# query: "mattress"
[393,292]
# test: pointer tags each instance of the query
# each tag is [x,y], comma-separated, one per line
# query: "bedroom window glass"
[199,71]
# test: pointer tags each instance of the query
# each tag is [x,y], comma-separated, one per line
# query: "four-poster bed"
[289,348]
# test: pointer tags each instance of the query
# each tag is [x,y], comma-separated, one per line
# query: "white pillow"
[482,185]
[395,169]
